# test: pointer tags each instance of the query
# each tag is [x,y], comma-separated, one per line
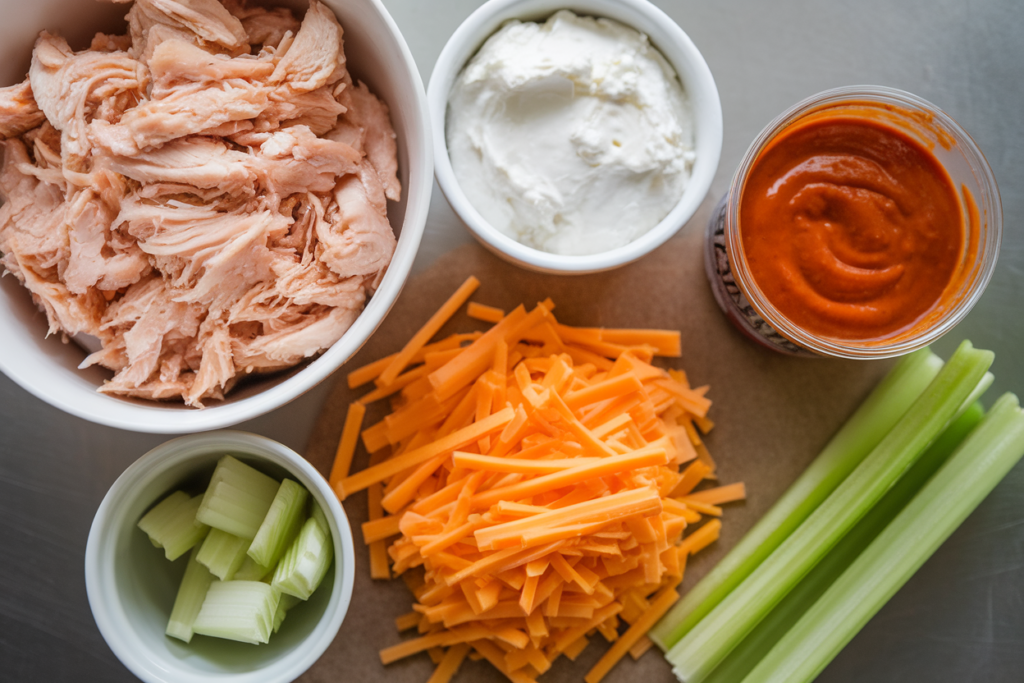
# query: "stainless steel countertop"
[961,618]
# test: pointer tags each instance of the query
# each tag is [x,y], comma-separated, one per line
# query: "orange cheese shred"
[489,314]
[720,495]
[541,484]
[429,329]
[347,444]
[449,664]
[371,371]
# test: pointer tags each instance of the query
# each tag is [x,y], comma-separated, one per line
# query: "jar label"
[731,298]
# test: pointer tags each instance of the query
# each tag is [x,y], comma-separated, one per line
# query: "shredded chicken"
[18,110]
[206,195]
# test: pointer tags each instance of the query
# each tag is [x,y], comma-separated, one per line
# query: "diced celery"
[238,610]
[873,419]
[222,553]
[700,651]
[280,526]
[172,524]
[251,571]
[982,460]
[161,514]
[189,600]
[305,562]
[755,646]
[238,474]
[237,499]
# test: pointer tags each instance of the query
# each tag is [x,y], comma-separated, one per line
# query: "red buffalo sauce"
[850,228]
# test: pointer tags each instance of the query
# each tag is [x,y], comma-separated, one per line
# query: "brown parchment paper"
[772,414]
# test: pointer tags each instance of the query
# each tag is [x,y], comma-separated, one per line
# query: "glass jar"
[753,313]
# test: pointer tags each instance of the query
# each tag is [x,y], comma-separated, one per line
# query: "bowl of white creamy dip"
[573,137]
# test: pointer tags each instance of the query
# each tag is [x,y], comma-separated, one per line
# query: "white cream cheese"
[573,136]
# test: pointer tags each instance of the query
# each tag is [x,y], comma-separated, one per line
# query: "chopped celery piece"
[982,460]
[875,417]
[282,523]
[172,524]
[238,610]
[222,553]
[317,513]
[305,562]
[162,513]
[189,600]
[760,641]
[237,498]
[251,571]
[704,648]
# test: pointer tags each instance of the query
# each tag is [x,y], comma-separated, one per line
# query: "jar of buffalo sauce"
[862,223]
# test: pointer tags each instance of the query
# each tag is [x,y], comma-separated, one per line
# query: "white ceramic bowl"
[377,54]
[131,585]
[667,37]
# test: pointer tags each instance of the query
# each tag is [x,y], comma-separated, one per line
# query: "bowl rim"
[152,417]
[464,43]
[103,598]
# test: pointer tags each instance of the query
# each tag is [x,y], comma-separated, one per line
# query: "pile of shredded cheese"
[532,487]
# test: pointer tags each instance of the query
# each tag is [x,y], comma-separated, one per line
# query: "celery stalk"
[189,600]
[704,648]
[755,646]
[875,417]
[172,524]
[979,390]
[974,470]
[305,562]
[281,524]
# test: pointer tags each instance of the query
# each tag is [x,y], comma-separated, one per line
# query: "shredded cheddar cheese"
[534,485]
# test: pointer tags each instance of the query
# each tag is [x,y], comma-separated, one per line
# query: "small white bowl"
[377,54]
[667,37]
[131,585]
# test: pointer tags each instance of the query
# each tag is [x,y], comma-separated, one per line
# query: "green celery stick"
[172,525]
[305,562]
[282,523]
[238,610]
[237,499]
[188,601]
[755,646]
[875,417]
[936,511]
[222,553]
[704,648]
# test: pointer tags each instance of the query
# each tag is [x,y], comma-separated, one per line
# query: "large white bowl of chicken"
[208,207]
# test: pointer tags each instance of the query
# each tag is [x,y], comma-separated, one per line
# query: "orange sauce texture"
[852,229]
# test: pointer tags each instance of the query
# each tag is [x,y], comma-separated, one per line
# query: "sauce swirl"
[852,229]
